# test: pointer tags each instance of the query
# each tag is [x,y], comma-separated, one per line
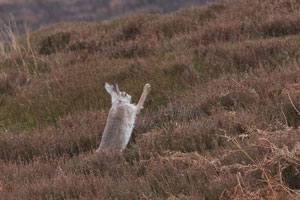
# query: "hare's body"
[118,127]
[121,118]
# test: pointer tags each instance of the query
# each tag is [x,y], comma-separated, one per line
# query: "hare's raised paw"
[147,87]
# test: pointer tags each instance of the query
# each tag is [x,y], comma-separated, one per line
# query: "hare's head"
[116,94]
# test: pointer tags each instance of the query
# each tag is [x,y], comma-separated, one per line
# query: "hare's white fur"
[121,118]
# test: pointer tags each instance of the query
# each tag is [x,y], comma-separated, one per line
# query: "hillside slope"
[36,13]
[221,121]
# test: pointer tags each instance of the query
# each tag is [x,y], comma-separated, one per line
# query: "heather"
[221,121]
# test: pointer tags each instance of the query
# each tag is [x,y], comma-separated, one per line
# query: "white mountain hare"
[121,118]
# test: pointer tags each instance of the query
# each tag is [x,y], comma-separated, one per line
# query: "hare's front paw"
[147,87]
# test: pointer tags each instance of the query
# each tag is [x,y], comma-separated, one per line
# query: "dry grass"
[220,123]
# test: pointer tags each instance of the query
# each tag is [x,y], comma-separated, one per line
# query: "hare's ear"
[116,88]
[111,89]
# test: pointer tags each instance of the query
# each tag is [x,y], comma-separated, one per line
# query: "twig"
[267,178]
[286,122]
[241,85]
[239,179]
[293,104]
[239,146]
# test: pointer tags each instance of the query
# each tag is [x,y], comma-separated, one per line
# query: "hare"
[121,118]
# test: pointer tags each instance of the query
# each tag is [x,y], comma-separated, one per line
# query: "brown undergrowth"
[221,122]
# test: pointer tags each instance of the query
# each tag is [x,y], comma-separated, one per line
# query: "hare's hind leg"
[146,91]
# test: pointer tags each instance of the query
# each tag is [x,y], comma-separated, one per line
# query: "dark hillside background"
[41,13]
